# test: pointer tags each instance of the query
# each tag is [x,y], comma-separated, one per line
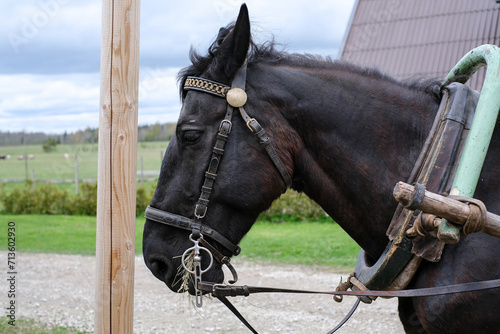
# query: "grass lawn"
[309,243]
[32,327]
[58,233]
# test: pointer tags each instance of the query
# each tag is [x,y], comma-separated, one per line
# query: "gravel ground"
[59,290]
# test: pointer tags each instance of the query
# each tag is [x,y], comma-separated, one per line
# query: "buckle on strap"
[225,127]
[254,125]
[200,211]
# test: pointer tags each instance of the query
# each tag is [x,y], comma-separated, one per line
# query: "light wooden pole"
[117,167]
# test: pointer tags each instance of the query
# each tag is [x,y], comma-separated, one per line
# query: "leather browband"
[207,86]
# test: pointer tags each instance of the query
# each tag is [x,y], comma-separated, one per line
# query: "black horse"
[345,135]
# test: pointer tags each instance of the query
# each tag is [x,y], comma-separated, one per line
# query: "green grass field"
[29,326]
[54,165]
[308,243]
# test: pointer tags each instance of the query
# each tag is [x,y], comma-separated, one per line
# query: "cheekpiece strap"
[207,86]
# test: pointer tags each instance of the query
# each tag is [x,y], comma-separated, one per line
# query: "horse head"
[240,181]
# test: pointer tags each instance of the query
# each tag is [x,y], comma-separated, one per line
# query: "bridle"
[236,98]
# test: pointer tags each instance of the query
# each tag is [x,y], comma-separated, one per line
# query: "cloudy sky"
[50,52]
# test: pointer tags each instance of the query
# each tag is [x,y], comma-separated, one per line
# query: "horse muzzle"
[177,277]
[182,262]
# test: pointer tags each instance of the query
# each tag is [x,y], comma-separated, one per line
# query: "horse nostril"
[160,270]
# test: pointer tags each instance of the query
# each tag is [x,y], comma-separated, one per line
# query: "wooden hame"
[445,207]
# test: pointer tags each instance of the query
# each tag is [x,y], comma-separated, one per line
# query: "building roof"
[420,38]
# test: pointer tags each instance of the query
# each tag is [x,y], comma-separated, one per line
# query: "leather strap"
[221,140]
[347,317]
[265,142]
[221,258]
[236,313]
[240,77]
[225,290]
[185,223]
[207,86]
[213,166]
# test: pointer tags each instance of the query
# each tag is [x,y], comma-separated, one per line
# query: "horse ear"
[236,44]
[241,36]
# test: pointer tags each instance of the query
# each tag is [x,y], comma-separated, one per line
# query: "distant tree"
[153,134]
[49,145]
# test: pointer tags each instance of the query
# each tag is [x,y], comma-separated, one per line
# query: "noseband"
[236,98]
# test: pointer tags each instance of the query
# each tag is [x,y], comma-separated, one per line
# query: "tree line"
[154,132]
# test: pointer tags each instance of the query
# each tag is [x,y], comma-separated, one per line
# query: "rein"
[222,291]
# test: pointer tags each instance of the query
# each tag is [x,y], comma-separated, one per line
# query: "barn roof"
[420,38]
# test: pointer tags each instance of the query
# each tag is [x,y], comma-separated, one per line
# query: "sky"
[50,52]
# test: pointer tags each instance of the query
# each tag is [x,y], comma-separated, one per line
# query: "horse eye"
[191,136]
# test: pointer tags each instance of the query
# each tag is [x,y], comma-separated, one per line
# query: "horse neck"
[360,135]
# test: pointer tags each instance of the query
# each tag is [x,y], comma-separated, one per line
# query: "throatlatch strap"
[265,141]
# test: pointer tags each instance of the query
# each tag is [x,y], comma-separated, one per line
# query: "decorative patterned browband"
[204,85]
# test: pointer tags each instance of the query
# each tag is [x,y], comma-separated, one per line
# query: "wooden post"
[117,179]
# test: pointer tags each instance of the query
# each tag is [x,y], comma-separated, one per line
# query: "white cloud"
[48,103]
[49,80]
[71,102]
[158,95]
[30,92]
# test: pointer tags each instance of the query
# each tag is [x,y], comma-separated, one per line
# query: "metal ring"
[417,197]
[183,260]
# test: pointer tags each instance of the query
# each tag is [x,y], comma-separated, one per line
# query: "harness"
[433,169]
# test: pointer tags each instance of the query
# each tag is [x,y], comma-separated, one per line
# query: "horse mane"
[269,53]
